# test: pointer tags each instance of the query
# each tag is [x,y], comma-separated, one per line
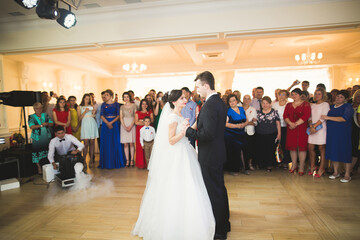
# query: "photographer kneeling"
[64,144]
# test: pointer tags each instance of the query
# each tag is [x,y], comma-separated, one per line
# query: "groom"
[209,131]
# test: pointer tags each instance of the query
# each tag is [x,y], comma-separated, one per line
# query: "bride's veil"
[161,143]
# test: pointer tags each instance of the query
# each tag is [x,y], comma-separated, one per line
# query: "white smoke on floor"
[84,190]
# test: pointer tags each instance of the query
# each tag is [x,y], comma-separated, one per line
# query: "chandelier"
[308,58]
[134,67]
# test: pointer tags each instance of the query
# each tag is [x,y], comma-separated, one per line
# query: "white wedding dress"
[175,204]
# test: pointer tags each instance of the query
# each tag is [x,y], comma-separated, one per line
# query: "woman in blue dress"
[338,135]
[234,135]
[40,124]
[111,151]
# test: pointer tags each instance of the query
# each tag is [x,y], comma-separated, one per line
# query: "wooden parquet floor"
[266,206]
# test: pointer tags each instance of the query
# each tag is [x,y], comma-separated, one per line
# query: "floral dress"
[40,137]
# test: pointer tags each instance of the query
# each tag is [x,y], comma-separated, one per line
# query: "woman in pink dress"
[139,122]
[318,137]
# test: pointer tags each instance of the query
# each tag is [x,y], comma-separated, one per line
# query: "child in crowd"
[147,136]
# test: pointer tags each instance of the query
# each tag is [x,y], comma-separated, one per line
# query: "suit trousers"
[218,196]
[147,150]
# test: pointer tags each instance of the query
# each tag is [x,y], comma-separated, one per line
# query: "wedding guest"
[318,136]
[147,136]
[149,100]
[256,102]
[61,115]
[189,111]
[249,148]
[305,96]
[279,106]
[139,121]
[128,128]
[224,98]
[276,95]
[333,92]
[158,108]
[200,103]
[40,124]
[228,92]
[296,116]
[89,131]
[47,106]
[234,136]
[97,106]
[338,135]
[111,151]
[355,128]
[268,133]
[152,93]
[238,95]
[75,124]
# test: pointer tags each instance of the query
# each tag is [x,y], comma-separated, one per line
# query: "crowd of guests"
[302,127]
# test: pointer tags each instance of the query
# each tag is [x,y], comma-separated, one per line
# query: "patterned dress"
[40,137]
[266,132]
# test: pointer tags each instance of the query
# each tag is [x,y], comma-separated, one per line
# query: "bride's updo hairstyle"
[172,97]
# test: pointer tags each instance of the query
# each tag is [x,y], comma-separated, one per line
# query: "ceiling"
[238,52]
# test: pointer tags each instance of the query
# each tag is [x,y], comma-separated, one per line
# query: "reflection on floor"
[275,205]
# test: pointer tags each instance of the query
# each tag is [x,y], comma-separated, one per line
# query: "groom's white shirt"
[210,95]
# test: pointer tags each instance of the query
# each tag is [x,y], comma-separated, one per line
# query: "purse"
[317,129]
[279,154]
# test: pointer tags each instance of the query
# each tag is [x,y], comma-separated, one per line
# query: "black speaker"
[27,167]
[20,98]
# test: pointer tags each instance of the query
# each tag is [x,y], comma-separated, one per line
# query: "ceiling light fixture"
[134,67]
[46,9]
[308,58]
[28,4]
[67,19]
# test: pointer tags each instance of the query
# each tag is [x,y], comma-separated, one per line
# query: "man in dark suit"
[209,131]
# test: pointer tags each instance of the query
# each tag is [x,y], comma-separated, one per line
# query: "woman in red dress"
[61,115]
[296,116]
[139,122]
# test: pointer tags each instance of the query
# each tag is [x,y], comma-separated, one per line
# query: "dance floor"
[274,205]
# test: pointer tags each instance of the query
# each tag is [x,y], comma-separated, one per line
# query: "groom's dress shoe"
[220,237]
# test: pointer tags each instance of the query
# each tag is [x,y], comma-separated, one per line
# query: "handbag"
[317,129]
[279,155]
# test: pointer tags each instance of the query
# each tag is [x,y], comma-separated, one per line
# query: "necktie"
[260,104]
[62,139]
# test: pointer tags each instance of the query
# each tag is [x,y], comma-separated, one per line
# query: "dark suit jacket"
[210,133]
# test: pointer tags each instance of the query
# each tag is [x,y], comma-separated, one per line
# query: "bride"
[175,203]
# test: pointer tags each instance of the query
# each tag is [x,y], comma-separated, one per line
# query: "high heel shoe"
[127,164]
[293,170]
[317,175]
[132,163]
[301,173]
